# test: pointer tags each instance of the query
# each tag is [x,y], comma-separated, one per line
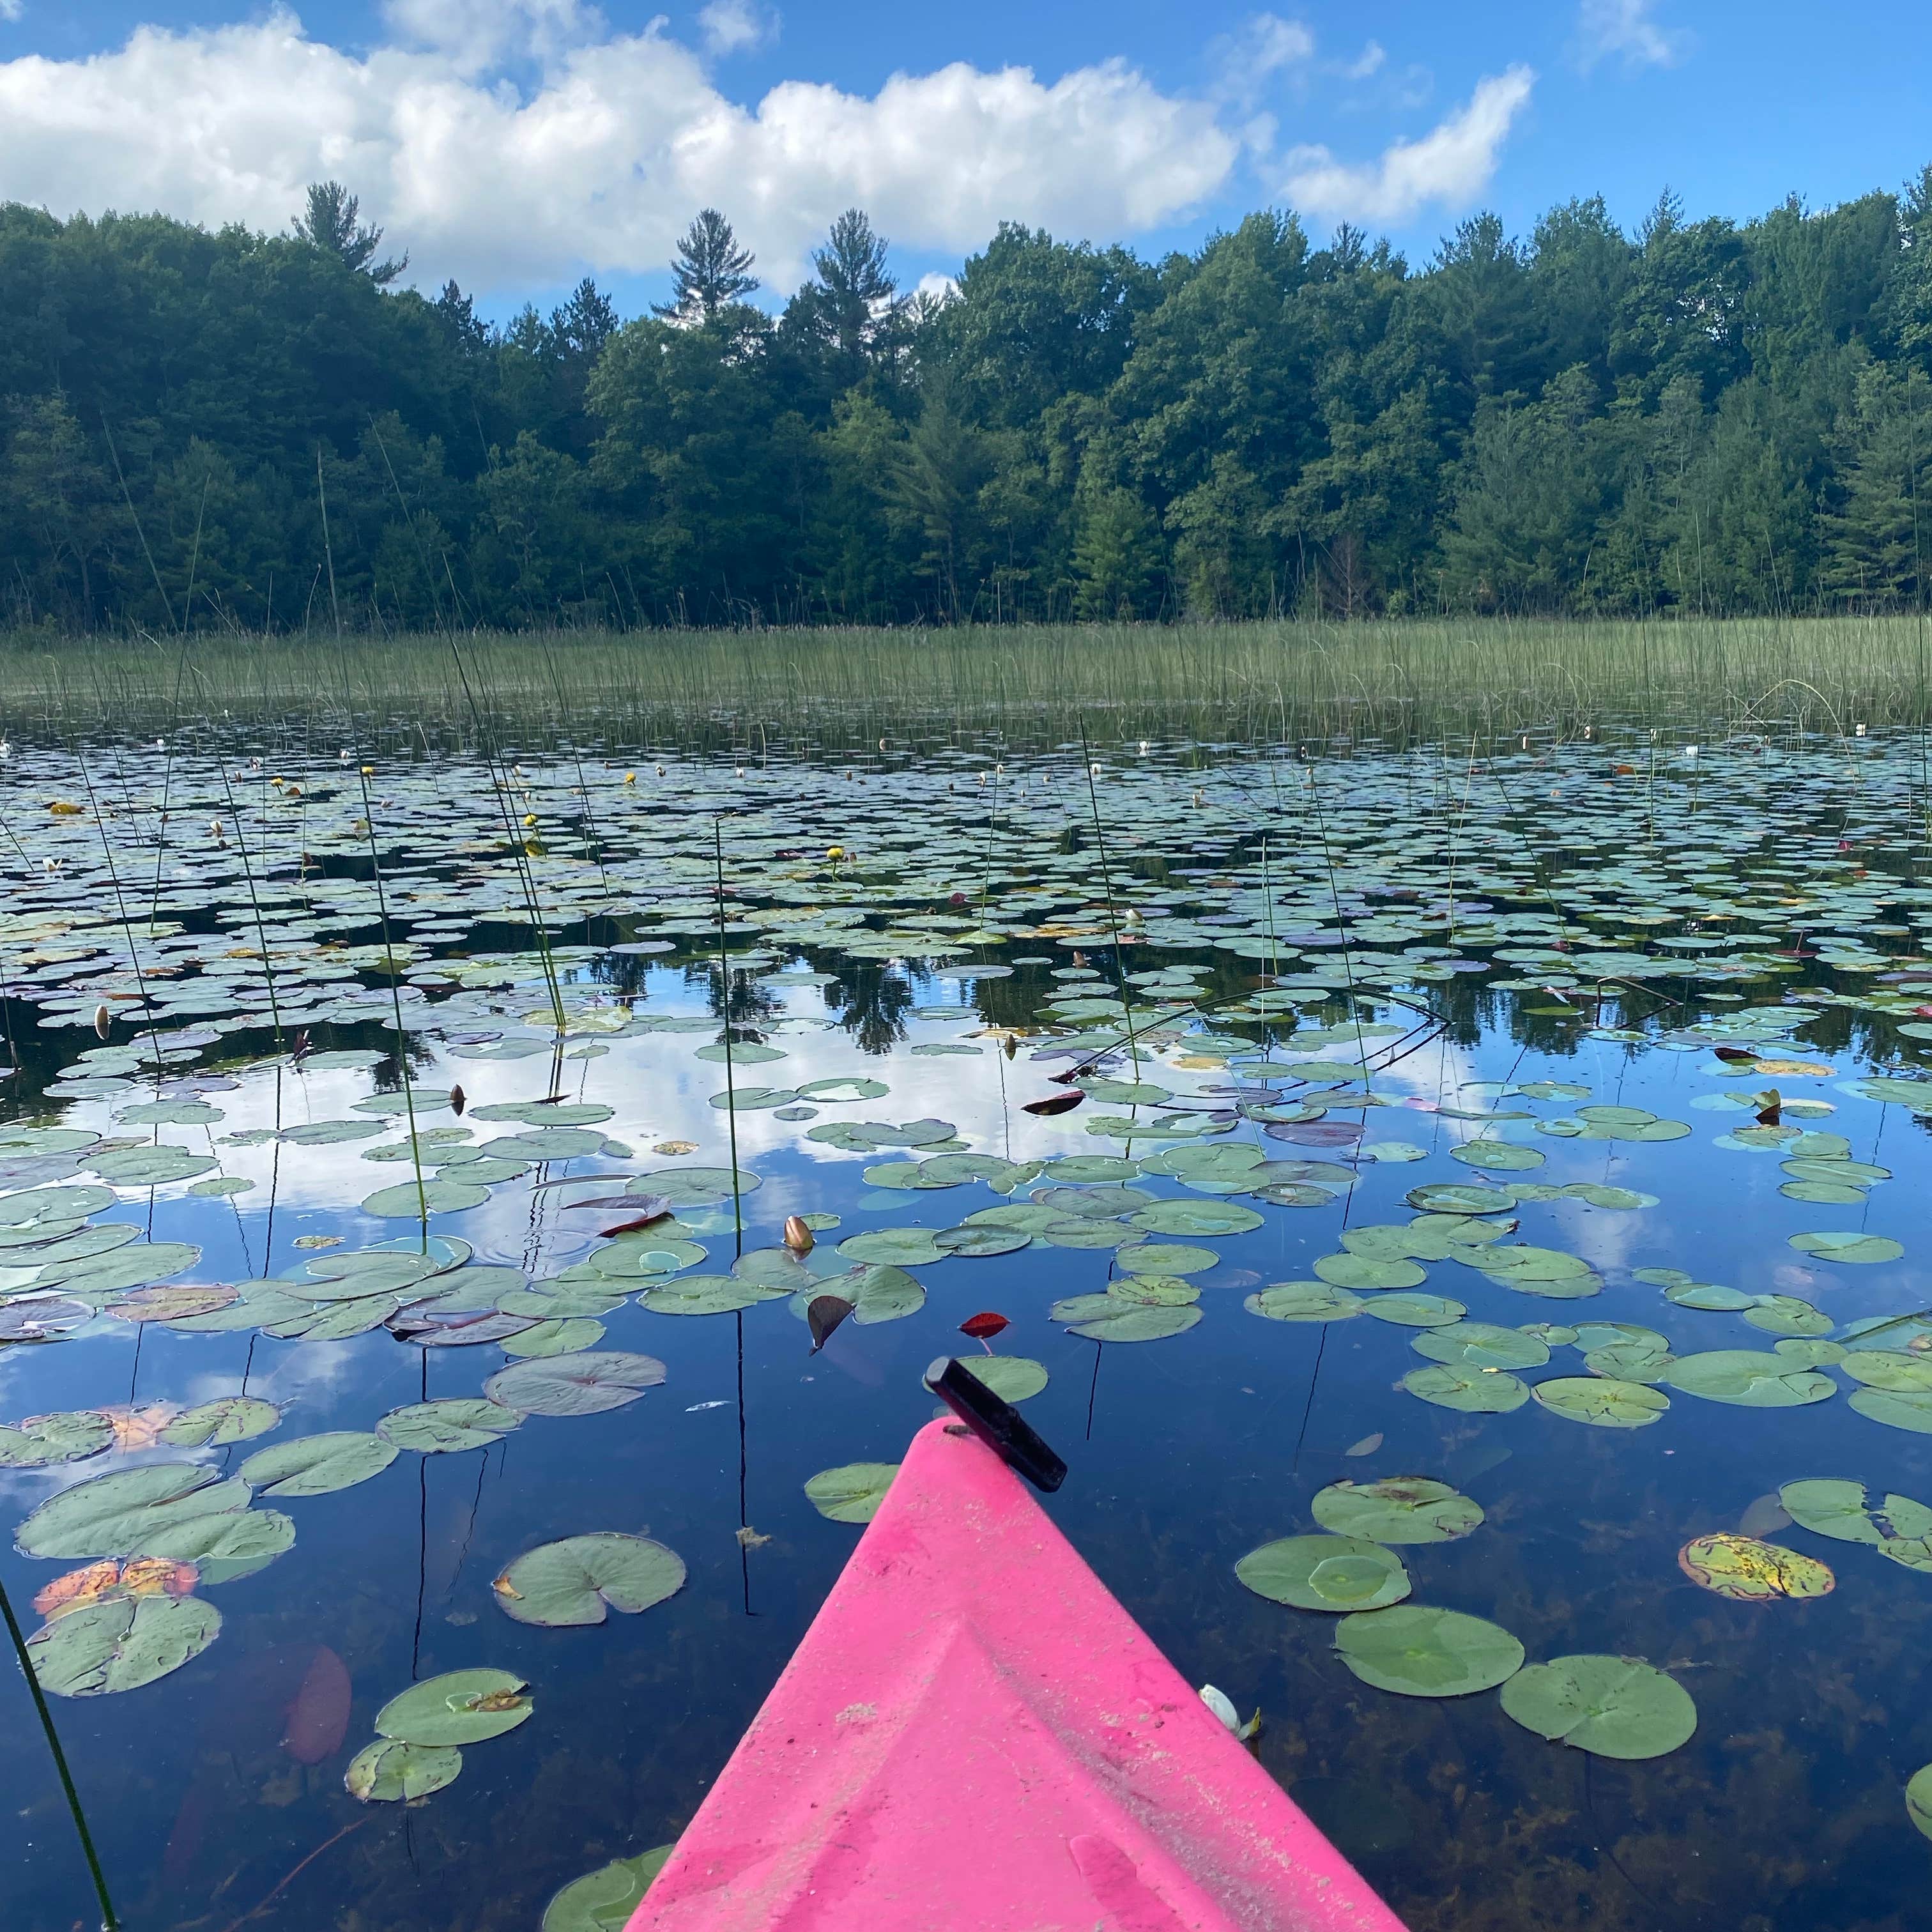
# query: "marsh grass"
[840,690]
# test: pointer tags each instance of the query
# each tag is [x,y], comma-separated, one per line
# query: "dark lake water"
[1653,986]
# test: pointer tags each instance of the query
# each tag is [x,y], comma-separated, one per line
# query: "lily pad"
[603,1901]
[1400,1509]
[572,1581]
[1748,1379]
[1753,1572]
[1325,1572]
[233,1418]
[131,1512]
[1304,1301]
[853,1492]
[1897,1409]
[461,1707]
[448,1425]
[1604,1401]
[1844,1245]
[583,1385]
[42,1441]
[1470,1391]
[121,1644]
[1496,1157]
[387,1771]
[1483,1345]
[317,1465]
[1368,1271]
[1011,1378]
[1615,1707]
[1130,1321]
[1420,1652]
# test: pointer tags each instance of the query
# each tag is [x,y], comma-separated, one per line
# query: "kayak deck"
[974,1734]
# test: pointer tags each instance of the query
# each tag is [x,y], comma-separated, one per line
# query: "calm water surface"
[1728,943]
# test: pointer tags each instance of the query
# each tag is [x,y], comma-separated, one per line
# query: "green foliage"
[1706,418]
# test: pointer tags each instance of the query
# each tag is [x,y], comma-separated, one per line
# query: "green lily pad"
[706,1294]
[461,1707]
[1748,1379]
[387,1771]
[1897,1408]
[1325,1572]
[1604,1401]
[1112,1318]
[1832,1506]
[152,1166]
[980,1241]
[1496,1157]
[572,1581]
[1843,1245]
[1368,1271]
[403,1201]
[901,1247]
[1011,1378]
[1195,1217]
[1416,1311]
[853,1492]
[1919,1799]
[1304,1301]
[1483,1345]
[317,1465]
[692,1186]
[121,1644]
[1890,1369]
[448,1425]
[603,1901]
[581,1385]
[1615,1707]
[1400,1509]
[1419,1652]
[233,1418]
[1471,1391]
[1441,1197]
[127,1513]
[42,1441]
[877,1294]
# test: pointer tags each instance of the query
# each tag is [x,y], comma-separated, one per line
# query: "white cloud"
[1625,28]
[737,26]
[599,161]
[1452,164]
[12,9]
[1369,62]
[1266,45]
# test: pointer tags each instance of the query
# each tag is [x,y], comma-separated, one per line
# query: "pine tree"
[709,272]
[331,223]
[1875,534]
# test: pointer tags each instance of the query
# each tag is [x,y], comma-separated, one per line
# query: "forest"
[254,432]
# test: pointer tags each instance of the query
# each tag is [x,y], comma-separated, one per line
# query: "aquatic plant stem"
[724,997]
[108,1920]
[1113,918]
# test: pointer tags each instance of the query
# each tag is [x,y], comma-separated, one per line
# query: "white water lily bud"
[103,1020]
[798,1237]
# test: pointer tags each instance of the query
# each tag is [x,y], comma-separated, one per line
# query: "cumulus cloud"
[737,26]
[1624,29]
[598,161]
[1453,164]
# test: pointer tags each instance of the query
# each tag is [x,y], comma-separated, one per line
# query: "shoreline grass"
[835,690]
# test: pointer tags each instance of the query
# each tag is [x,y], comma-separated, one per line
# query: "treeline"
[260,432]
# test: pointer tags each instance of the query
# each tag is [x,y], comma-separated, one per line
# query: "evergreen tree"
[709,272]
[331,223]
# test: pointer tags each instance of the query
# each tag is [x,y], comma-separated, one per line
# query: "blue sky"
[518,144]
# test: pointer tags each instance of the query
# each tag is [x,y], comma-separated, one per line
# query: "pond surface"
[1547,1128]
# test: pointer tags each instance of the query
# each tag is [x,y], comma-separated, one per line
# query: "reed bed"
[827,691]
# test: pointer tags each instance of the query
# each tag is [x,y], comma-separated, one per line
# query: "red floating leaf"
[1055,1103]
[823,1314]
[983,1327]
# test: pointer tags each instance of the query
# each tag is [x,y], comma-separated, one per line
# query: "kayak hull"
[974,1733]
